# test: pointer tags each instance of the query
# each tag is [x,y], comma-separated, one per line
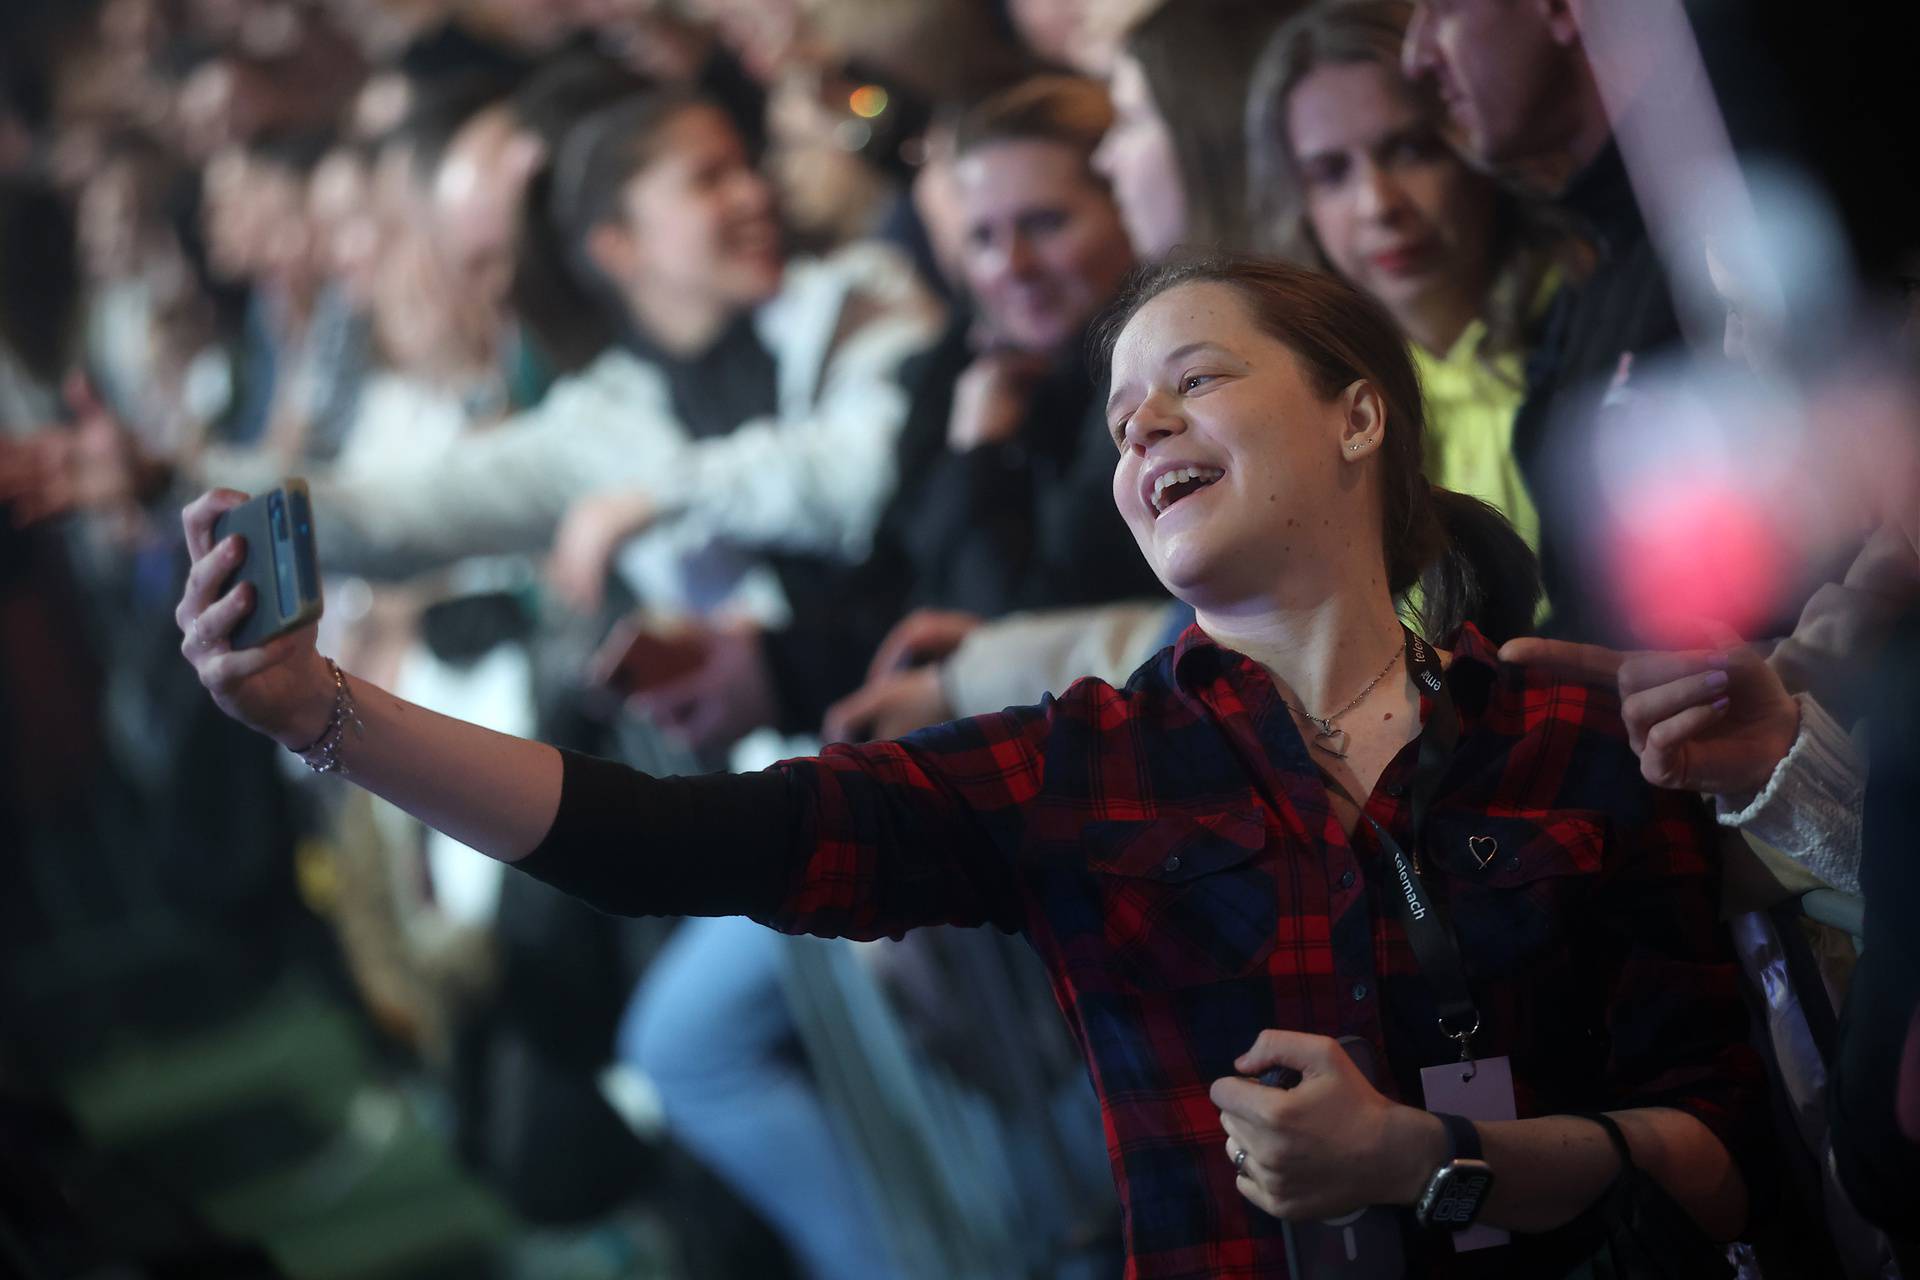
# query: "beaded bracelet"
[323,755]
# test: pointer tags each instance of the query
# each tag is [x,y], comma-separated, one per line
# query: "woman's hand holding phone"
[282,689]
[1322,1141]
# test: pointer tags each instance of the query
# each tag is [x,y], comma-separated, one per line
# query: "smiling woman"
[1210,860]
[1275,386]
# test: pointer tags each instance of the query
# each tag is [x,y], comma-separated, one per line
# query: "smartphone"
[1364,1244]
[279,562]
[637,657]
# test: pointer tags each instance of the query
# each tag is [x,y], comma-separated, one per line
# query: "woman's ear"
[1363,420]
[612,252]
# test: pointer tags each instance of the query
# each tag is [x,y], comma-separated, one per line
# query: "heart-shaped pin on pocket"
[1484,850]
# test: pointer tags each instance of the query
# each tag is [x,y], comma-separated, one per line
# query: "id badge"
[1478,1090]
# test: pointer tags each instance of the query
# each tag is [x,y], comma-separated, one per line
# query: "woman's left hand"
[1329,1145]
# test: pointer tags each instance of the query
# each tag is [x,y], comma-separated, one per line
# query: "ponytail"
[1481,571]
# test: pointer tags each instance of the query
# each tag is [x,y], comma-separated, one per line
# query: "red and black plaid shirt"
[1170,851]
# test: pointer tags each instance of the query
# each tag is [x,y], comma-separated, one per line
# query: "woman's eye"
[1324,172]
[1195,380]
[1413,151]
[1043,222]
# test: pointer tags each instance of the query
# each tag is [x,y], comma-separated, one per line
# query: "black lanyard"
[1429,932]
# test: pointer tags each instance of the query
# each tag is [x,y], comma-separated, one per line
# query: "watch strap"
[1463,1140]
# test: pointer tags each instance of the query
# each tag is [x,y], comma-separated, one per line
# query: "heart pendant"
[1484,850]
[1332,741]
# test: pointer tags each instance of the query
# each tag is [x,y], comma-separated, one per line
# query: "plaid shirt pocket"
[1185,899]
[1513,881]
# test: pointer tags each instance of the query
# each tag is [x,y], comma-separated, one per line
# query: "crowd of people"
[1377,534]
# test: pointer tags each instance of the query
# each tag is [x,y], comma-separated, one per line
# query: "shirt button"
[1346,878]
[1359,991]
[1171,865]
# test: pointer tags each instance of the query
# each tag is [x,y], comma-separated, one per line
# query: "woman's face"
[341,206]
[825,189]
[279,212]
[1397,213]
[1051,28]
[1200,388]
[108,222]
[1137,157]
[700,218]
[1044,248]
[227,217]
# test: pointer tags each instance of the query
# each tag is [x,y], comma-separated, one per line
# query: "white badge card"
[1479,1090]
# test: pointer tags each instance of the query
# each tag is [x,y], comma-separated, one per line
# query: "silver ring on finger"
[1240,1161]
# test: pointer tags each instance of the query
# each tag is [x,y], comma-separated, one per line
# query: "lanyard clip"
[1465,1040]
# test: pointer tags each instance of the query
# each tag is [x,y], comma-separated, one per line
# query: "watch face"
[1454,1197]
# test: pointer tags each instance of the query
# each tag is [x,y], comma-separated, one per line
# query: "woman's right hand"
[282,688]
[992,398]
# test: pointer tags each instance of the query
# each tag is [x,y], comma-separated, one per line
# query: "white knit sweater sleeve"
[500,490]
[816,478]
[1013,661]
[1810,808]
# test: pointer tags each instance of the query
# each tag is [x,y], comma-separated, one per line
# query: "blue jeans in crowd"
[711,1028]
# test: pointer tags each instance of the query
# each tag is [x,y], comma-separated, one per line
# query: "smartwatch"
[1462,1183]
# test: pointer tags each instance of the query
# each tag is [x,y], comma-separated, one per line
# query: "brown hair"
[1465,557]
[1197,57]
[570,309]
[605,151]
[1070,110]
[1527,239]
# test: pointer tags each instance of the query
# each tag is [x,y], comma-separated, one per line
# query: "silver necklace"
[1327,736]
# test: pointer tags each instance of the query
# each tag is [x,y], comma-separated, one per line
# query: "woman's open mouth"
[1171,486]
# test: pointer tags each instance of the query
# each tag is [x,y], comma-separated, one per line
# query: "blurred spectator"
[39,296]
[726,413]
[1520,87]
[1002,498]
[557,335]
[1351,170]
[153,348]
[837,169]
[294,82]
[1175,155]
[303,348]
[1062,32]
[1006,464]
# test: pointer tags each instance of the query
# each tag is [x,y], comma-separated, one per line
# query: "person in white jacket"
[753,404]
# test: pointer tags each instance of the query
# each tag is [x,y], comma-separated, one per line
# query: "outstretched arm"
[861,842]
[495,793]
